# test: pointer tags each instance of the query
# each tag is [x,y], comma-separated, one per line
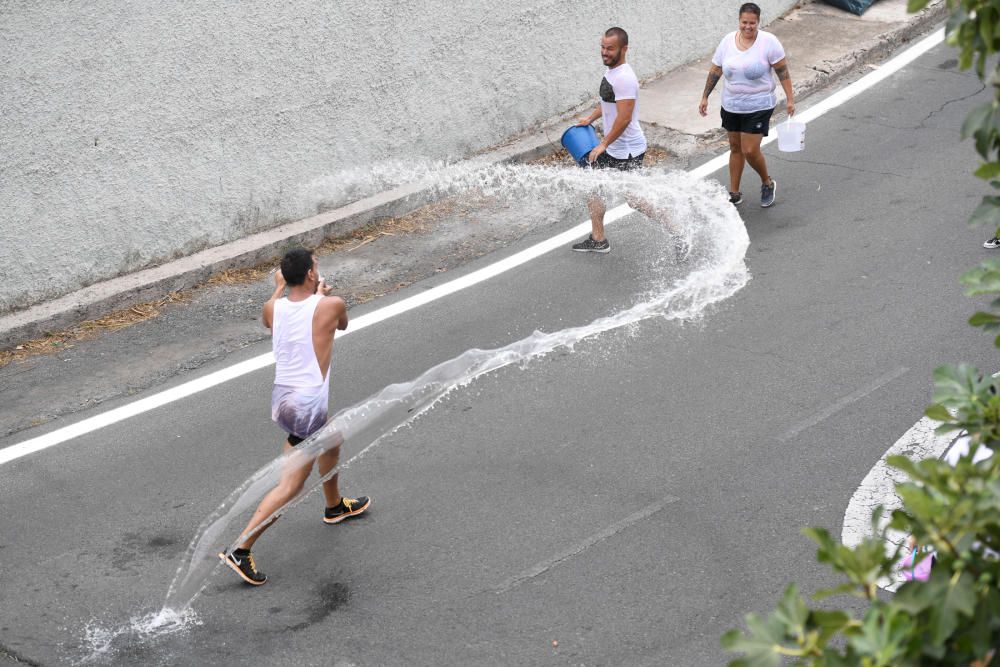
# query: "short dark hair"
[295,265]
[749,8]
[620,34]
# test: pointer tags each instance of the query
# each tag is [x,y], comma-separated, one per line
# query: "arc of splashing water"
[397,405]
[366,424]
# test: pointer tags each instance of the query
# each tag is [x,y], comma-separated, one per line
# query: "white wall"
[133,132]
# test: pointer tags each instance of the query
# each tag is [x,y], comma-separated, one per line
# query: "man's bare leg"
[682,247]
[597,208]
[338,508]
[328,461]
[293,477]
[659,214]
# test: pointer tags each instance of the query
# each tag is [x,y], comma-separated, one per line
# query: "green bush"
[953,618]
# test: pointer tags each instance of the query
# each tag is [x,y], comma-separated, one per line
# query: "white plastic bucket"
[791,136]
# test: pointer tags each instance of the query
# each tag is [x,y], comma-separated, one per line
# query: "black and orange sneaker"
[241,562]
[345,509]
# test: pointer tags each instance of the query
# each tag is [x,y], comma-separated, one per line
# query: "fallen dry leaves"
[119,319]
[416,222]
[562,157]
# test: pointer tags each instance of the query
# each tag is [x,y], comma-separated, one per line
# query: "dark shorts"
[758,122]
[605,161]
[294,440]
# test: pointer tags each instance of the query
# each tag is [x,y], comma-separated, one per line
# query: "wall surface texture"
[133,132]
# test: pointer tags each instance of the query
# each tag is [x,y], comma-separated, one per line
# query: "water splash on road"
[101,644]
[704,244]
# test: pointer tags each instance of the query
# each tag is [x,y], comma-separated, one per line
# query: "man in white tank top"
[302,326]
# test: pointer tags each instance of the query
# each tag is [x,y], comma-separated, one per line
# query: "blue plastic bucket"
[579,140]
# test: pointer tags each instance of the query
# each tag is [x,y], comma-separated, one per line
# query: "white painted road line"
[192,387]
[843,403]
[179,392]
[879,485]
[580,547]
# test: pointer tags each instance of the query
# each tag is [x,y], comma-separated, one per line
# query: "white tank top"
[291,340]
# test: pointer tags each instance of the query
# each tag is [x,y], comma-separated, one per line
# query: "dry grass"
[417,222]
[239,276]
[562,157]
[133,315]
[655,156]
[60,340]
[358,298]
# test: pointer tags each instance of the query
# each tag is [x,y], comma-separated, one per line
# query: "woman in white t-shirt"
[745,58]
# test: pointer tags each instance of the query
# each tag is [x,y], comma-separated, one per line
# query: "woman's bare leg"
[736,161]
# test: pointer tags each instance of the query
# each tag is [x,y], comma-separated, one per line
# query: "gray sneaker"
[590,245]
[767,193]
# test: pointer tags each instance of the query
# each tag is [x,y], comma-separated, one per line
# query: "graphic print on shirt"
[620,84]
[607,91]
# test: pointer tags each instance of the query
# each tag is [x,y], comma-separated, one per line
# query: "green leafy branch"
[952,618]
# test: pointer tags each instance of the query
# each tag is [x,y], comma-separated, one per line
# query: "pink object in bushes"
[918,571]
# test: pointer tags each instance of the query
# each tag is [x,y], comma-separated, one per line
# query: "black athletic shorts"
[605,161]
[294,440]
[758,122]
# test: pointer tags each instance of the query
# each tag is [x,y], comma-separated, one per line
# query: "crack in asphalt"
[760,353]
[982,87]
[842,166]
[922,125]
[937,69]
[6,652]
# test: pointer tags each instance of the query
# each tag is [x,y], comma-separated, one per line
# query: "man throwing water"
[624,144]
[302,328]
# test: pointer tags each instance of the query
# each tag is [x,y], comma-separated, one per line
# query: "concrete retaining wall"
[136,132]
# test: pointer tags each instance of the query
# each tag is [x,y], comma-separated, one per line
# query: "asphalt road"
[630,499]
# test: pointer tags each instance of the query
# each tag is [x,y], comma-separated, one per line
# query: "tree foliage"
[953,618]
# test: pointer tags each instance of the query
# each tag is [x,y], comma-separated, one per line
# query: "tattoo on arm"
[782,72]
[713,79]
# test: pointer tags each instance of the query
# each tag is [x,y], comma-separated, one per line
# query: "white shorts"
[300,411]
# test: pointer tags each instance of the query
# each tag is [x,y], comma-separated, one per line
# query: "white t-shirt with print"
[621,83]
[748,85]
